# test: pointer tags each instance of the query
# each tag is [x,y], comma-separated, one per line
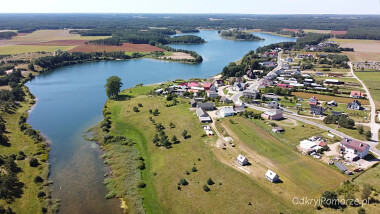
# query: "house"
[207,85]
[282,85]
[333,82]
[203,116]
[251,93]
[219,83]
[179,92]
[239,103]
[271,97]
[268,64]
[212,94]
[251,74]
[336,113]
[316,110]
[213,88]
[288,59]
[309,146]
[274,105]
[206,106]
[278,129]
[242,160]
[335,75]
[193,84]
[226,111]
[193,103]
[271,176]
[238,86]
[225,99]
[313,101]
[356,105]
[332,103]
[272,114]
[356,94]
[159,91]
[354,147]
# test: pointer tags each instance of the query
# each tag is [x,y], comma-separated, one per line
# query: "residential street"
[374,126]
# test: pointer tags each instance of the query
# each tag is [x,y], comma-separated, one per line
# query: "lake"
[70,100]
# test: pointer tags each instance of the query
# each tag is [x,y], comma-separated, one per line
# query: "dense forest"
[7,35]
[189,23]
[239,35]
[151,37]
[361,33]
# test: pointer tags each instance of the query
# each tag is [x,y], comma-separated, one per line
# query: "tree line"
[7,35]
[239,35]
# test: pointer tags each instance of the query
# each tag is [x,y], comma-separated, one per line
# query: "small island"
[239,35]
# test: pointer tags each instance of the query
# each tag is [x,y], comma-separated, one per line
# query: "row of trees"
[7,35]
[361,33]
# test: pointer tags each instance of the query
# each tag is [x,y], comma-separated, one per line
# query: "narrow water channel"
[70,100]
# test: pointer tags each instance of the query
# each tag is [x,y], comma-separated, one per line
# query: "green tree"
[368,135]
[184,134]
[206,188]
[210,181]
[174,139]
[360,129]
[330,199]
[113,86]
[366,191]
[361,210]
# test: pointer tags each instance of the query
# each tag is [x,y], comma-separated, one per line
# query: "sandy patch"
[178,55]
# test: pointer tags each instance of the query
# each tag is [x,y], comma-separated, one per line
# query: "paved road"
[374,126]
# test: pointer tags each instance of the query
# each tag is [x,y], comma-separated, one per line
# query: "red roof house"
[207,85]
[356,94]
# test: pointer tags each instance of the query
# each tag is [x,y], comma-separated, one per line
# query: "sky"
[193,6]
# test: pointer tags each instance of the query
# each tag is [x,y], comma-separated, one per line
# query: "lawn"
[232,190]
[371,80]
[28,202]
[19,49]
[301,175]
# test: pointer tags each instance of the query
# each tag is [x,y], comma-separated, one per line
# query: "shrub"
[194,169]
[41,194]
[183,182]
[330,199]
[135,109]
[38,179]
[141,184]
[33,162]
[210,181]
[140,105]
[206,188]
[361,210]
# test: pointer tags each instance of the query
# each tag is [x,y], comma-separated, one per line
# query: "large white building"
[242,160]
[226,111]
[354,147]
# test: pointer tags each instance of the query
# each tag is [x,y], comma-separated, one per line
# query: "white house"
[308,146]
[226,111]
[271,176]
[242,160]
[354,147]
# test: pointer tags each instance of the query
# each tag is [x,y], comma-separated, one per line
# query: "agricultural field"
[365,50]
[165,167]
[20,49]
[371,79]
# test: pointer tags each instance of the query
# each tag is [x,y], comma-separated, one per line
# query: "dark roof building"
[206,106]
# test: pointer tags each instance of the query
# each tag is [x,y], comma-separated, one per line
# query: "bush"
[135,109]
[38,179]
[330,199]
[41,194]
[361,210]
[141,184]
[210,181]
[140,105]
[194,169]
[206,188]
[183,182]
[33,162]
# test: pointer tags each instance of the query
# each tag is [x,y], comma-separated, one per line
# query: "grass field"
[20,49]
[371,79]
[301,175]
[328,98]
[28,202]
[165,167]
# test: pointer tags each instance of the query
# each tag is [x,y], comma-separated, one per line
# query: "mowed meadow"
[371,80]
[233,191]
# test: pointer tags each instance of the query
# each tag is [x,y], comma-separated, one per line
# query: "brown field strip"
[328,98]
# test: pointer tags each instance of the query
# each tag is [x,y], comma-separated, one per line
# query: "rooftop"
[354,144]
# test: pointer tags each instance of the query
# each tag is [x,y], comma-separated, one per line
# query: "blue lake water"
[70,100]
